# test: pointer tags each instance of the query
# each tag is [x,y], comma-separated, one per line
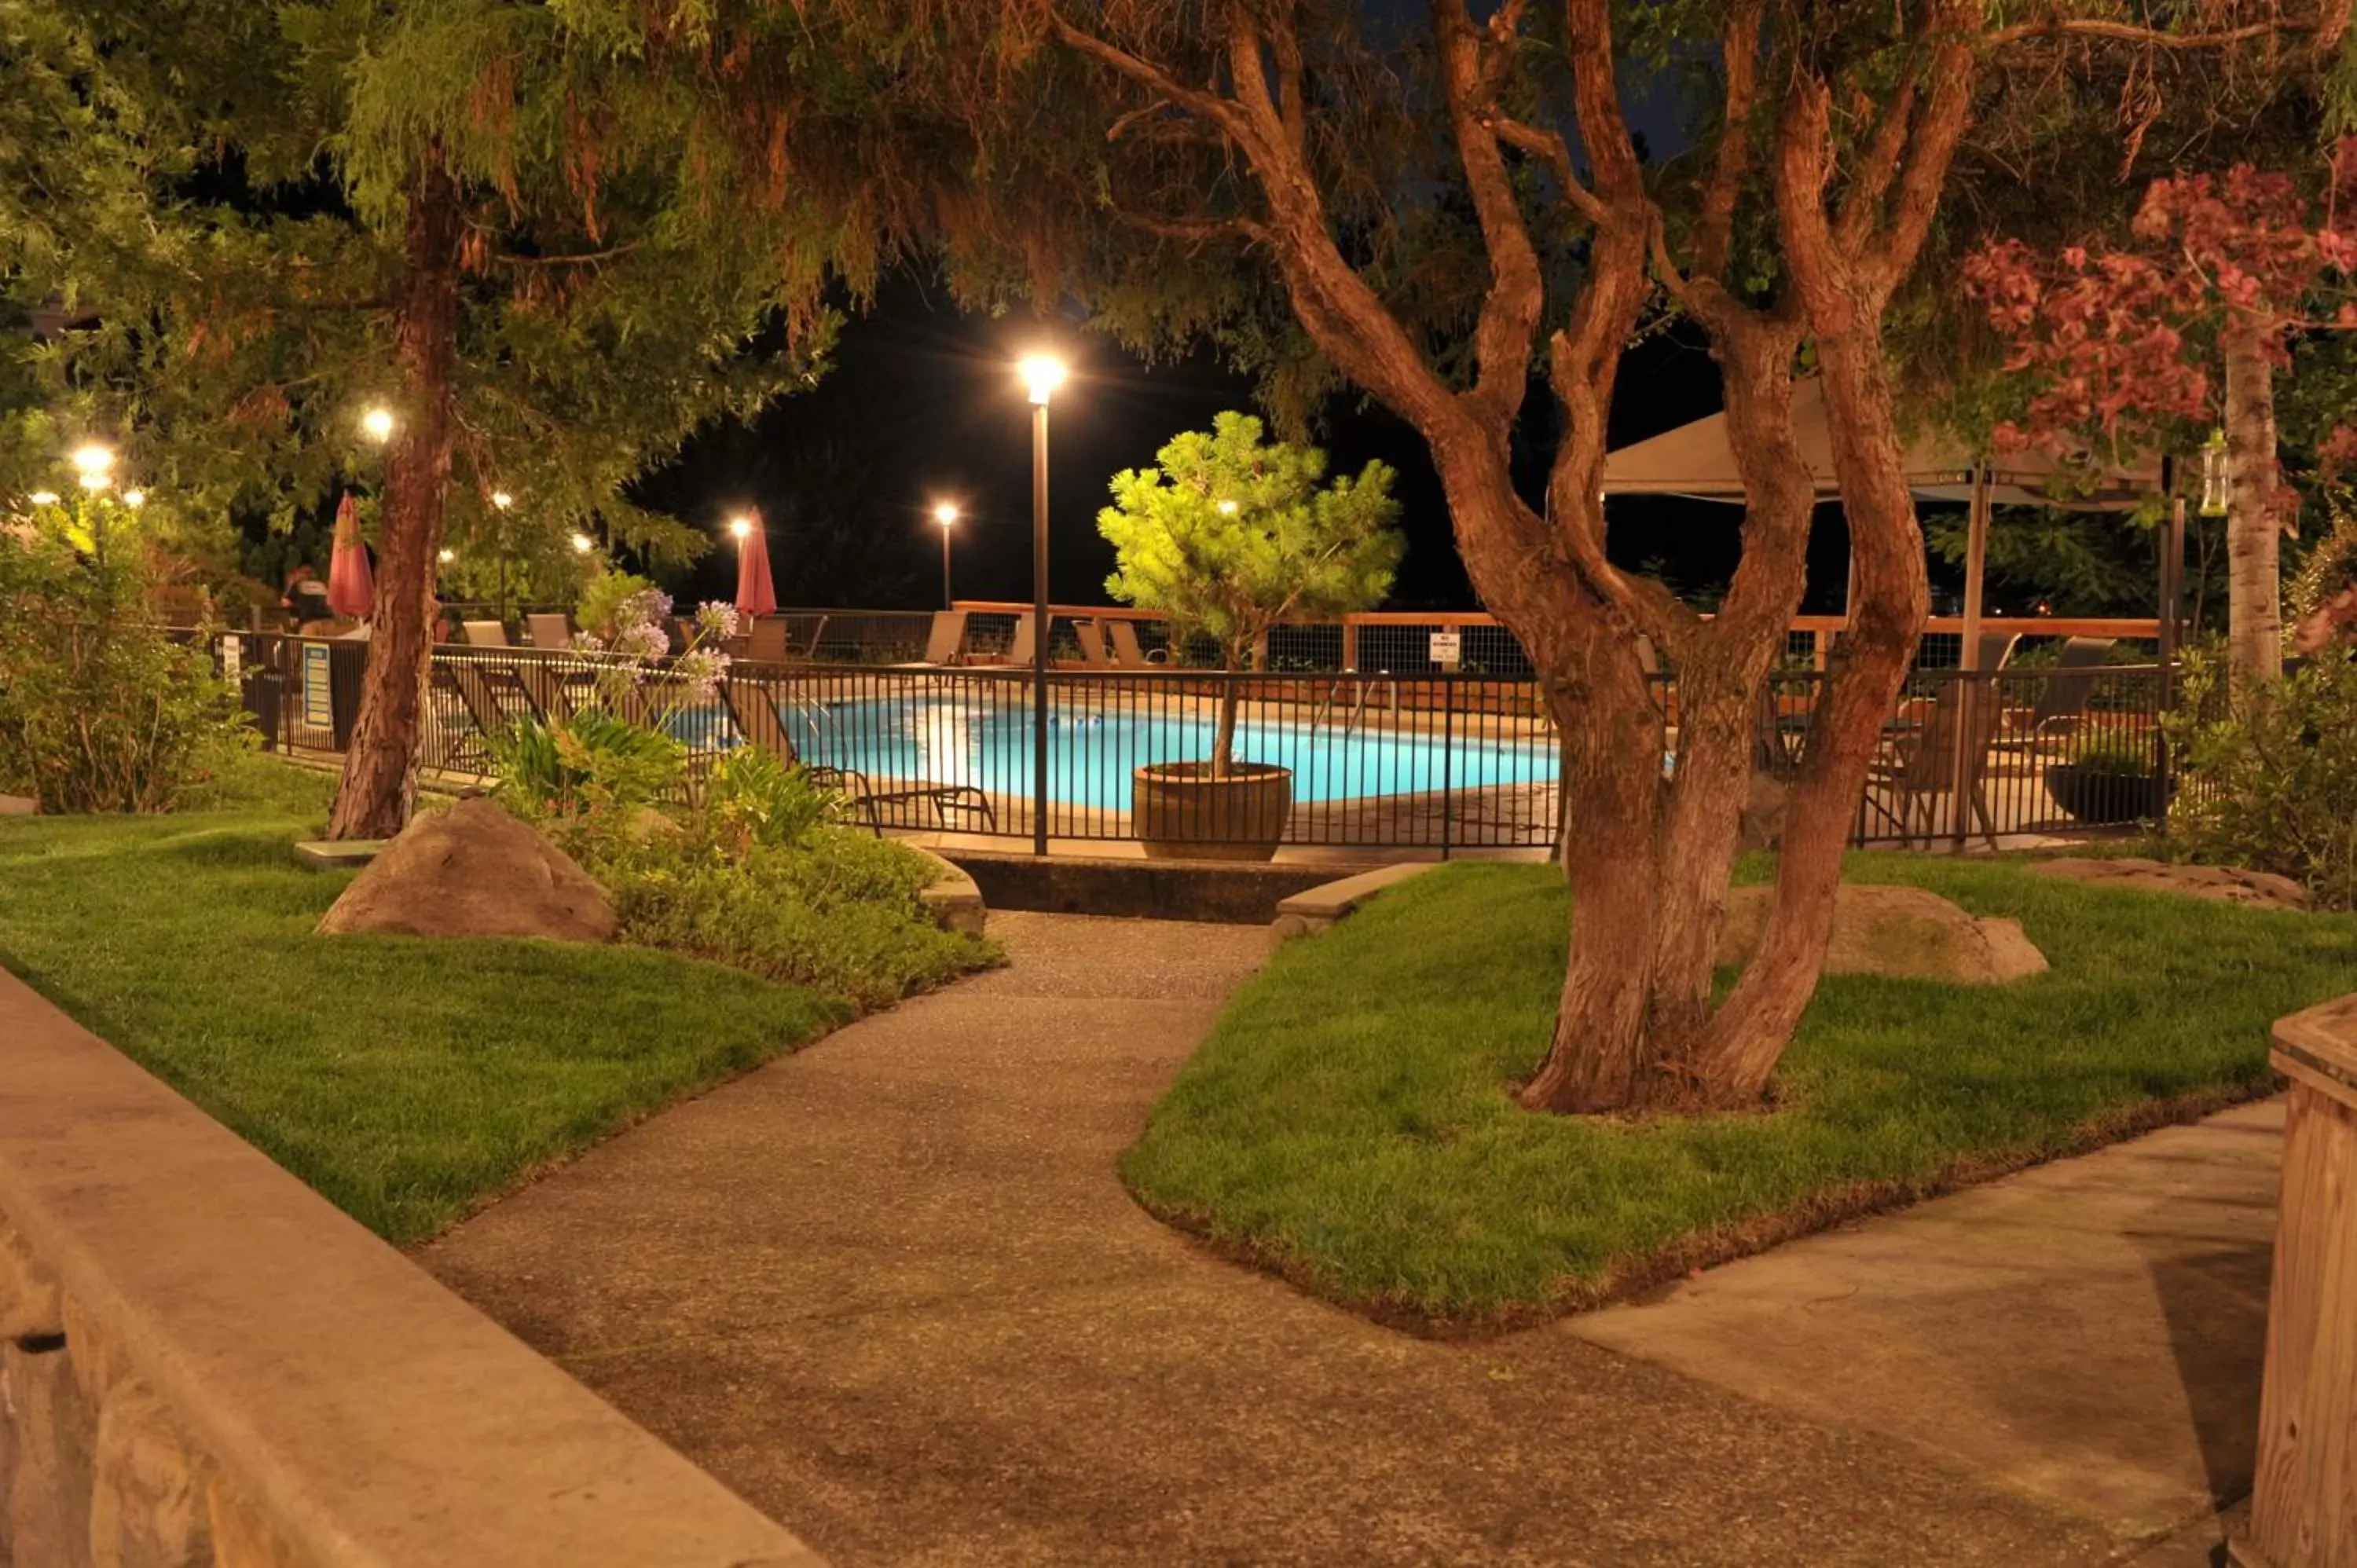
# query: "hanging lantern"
[2213,475]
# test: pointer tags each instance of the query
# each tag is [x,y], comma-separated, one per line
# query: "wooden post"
[1975,567]
[1350,643]
[2304,1495]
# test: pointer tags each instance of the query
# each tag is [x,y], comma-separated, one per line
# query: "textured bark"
[380,779]
[1648,855]
[2253,521]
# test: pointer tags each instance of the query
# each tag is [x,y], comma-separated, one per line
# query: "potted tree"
[1228,535]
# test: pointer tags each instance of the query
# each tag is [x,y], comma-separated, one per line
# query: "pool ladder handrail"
[1359,703]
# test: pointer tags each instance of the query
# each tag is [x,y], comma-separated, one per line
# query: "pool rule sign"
[1448,648]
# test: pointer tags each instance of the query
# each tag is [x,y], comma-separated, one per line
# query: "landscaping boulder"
[2225,884]
[1907,932]
[473,871]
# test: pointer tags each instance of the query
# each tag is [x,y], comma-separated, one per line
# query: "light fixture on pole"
[1227,508]
[92,457]
[501,500]
[1041,377]
[447,556]
[2213,475]
[43,497]
[947,514]
[377,425]
[742,527]
[134,499]
[582,543]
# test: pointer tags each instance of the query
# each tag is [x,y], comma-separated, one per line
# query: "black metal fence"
[1433,762]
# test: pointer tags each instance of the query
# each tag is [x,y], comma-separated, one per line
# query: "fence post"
[1447,763]
[2304,1489]
[1960,797]
[1350,643]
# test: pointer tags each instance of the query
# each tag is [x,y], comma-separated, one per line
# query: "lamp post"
[1041,377]
[947,514]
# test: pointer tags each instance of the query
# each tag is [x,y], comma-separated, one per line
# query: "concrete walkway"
[891,1291]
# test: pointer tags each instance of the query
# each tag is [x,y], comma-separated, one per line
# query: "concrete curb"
[263,1354]
[1306,914]
[952,899]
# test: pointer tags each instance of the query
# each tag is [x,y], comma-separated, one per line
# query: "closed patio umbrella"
[757,595]
[351,585]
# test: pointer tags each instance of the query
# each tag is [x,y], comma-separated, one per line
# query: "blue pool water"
[1091,753]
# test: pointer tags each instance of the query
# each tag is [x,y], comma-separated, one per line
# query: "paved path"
[890,1289]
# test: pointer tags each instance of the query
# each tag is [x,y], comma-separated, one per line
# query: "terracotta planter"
[1181,813]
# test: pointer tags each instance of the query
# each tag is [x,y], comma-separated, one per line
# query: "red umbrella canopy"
[756,594]
[351,585]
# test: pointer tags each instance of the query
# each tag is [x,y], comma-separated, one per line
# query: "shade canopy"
[351,585]
[756,594]
[1697,461]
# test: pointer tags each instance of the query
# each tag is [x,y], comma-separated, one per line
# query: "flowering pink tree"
[2220,271]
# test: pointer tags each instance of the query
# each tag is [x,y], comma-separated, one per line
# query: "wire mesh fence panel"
[1437,761]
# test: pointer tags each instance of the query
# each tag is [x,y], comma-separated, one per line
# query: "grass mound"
[1350,1123]
[406,1080]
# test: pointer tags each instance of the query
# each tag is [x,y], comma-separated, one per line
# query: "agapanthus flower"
[716,618]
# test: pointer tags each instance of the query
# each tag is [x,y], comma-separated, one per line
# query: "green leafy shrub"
[2117,753]
[2271,778]
[761,800]
[100,710]
[829,907]
[589,759]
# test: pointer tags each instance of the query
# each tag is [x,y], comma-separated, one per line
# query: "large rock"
[2225,884]
[473,871]
[1907,932]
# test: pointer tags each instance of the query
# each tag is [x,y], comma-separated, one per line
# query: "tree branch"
[1550,148]
[2130,32]
[1504,337]
[1715,233]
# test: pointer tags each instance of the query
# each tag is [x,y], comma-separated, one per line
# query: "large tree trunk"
[2254,523]
[380,778]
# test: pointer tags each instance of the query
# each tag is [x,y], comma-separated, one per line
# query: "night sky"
[922,404]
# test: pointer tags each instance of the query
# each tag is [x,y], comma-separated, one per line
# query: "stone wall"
[203,1363]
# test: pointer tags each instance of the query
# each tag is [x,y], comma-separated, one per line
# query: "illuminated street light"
[501,500]
[377,423]
[448,556]
[1041,376]
[947,514]
[742,527]
[94,457]
[1227,508]
[43,497]
[134,499]
[584,543]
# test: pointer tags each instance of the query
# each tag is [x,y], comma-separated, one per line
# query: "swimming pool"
[950,739]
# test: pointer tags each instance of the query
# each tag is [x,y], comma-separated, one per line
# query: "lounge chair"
[549,631]
[765,641]
[1025,643]
[1907,781]
[1129,653]
[485,633]
[753,710]
[2062,696]
[944,643]
[1093,644]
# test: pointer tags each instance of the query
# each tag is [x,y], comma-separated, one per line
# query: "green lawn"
[1349,1121]
[408,1080]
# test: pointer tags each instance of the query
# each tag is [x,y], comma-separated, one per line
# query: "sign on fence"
[233,658]
[1447,648]
[318,706]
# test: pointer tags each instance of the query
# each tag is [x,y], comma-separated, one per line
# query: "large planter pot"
[1181,813]
[2105,799]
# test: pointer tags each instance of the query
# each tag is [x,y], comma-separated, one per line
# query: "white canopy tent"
[1696,461]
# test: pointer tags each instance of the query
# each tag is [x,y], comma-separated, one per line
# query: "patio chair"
[2062,698]
[550,631]
[1129,653]
[1025,641]
[485,633]
[1920,765]
[753,710]
[1093,644]
[944,643]
[766,642]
